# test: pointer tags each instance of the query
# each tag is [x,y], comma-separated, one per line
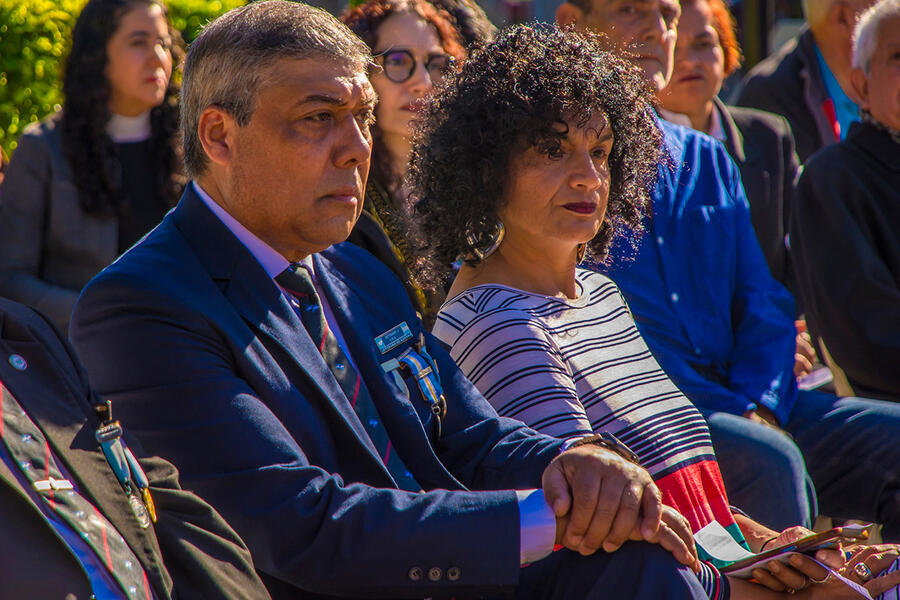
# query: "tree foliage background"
[34,40]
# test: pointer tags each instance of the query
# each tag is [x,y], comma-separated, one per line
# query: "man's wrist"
[607,440]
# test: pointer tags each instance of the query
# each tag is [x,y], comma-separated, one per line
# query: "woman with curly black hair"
[89,181]
[535,157]
[415,44]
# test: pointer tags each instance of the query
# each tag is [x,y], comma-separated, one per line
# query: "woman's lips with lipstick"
[582,208]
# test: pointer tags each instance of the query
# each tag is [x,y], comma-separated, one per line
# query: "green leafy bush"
[34,38]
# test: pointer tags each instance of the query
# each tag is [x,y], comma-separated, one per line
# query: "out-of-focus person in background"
[88,182]
[760,143]
[846,219]
[414,44]
[472,22]
[808,79]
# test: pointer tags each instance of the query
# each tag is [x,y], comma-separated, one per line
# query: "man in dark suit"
[808,79]
[58,494]
[293,386]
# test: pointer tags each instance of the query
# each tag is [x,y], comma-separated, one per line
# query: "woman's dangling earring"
[580,252]
[494,242]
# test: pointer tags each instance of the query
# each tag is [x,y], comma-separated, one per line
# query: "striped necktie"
[297,281]
[31,452]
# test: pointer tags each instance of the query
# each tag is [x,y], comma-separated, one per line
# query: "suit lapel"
[56,405]
[734,141]
[259,301]
[403,424]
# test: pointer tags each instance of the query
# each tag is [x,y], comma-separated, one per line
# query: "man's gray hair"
[865,36]
[229,61]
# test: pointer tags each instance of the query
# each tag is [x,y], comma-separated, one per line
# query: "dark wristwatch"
[610,442]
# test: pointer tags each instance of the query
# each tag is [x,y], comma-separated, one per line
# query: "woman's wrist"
[766,543]
[755,533]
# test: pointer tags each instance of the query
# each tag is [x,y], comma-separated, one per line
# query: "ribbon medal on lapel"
[416,361]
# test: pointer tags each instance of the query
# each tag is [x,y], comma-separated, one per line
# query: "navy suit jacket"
[210,366]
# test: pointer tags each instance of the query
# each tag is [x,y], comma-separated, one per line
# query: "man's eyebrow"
[334,101]
[322,98]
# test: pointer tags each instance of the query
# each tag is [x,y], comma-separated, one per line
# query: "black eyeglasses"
[399,65]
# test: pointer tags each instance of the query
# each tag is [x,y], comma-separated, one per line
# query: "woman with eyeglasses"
[414,44]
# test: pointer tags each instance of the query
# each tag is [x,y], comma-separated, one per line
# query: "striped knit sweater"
[571,367]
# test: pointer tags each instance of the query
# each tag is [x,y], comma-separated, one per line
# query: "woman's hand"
[875,560]
[780,577]
[817,583]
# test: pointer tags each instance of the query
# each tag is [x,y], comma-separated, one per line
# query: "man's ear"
[568,14]
[843,15]
[216,132]
[860,84]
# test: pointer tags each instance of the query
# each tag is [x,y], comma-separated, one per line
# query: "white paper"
[718,543]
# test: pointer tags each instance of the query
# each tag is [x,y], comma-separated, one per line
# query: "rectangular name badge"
[393,337]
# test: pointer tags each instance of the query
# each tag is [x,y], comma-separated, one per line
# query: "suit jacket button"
[454,573]
[415,574]
[434,574]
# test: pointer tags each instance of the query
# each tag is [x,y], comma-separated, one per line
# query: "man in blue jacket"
[291,382]
[722,328]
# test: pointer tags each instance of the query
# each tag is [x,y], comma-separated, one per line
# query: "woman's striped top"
[572,367]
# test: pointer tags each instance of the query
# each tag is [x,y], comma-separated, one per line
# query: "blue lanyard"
[125,466]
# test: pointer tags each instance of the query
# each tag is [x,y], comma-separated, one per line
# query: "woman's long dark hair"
[86,145]
[364,20]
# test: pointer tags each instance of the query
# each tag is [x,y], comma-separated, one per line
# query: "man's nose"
[354,146]
[655,27]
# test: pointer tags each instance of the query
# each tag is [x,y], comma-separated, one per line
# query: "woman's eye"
[600,153]
[553,151]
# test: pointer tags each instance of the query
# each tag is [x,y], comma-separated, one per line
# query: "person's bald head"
[645,30]
[832,23]
[818,11]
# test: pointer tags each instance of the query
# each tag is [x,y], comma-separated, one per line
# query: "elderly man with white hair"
[808,79]
[846,219]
